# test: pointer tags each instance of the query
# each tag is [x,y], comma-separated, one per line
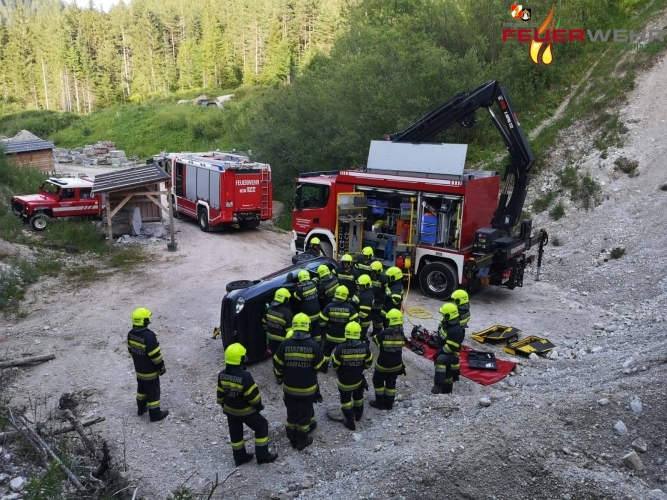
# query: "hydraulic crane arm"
[461,109]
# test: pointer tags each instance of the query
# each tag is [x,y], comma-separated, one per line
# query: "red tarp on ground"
[484,377]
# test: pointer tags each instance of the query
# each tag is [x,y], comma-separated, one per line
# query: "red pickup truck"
[58,198]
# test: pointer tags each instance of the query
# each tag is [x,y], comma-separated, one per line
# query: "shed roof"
[129,178]
[25,145]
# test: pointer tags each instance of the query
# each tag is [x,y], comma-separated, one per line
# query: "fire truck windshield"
[311,196]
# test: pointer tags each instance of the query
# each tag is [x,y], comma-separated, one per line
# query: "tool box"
[480,360]
[529,345]
[497,333]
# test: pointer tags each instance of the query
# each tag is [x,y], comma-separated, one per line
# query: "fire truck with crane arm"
[421,211]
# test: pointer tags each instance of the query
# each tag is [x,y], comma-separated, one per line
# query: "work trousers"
[384,384]
[327,348]
[300,415]
[447,370]
[258,424]
[352,403]
[274,345]
[378,320]
[148,393]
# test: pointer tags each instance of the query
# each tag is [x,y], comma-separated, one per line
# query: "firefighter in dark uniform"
[380,282]
[239,397]
[327,285]
[277,319]
[315,248]
[306,295]
[462,301]
[363,303]
[447,365]
[297,361]
[350,359]
[389,364]
[394,293]
[148,364]
[367,256]
[347,274]
[333,319]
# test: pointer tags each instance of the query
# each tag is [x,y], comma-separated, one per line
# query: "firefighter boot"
[455,375]
[447,387]
[291,435]
[303,440]
[388,402]
[242,456]
[264,456]
[358,412]
[141,407]
[348,420]
[156,414]
[437,389]
[378,402]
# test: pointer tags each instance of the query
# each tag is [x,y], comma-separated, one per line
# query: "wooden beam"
[109,228]
[170,201]
[119,206]
[138,193]
[158,204]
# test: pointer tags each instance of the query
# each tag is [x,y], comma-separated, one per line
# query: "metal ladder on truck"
[266,179]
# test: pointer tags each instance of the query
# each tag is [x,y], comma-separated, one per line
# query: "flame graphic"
[536,47]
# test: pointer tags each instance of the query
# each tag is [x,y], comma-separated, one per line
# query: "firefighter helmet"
[460,297]
[449,311]
[323,270]
[353,330]
[315,241]
[303,275]
[394,273]
[282,295]
[376,266]
[364,280]
[235,354]
[368,252]
[341,293]
[141,317]
[395,317]
[347,258]
[301,323]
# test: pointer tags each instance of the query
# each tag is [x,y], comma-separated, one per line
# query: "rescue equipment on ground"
[497,333]
[529,345]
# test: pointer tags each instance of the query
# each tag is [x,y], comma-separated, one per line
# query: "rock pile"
[102,153]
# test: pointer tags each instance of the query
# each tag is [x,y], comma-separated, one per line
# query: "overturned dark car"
[244,304]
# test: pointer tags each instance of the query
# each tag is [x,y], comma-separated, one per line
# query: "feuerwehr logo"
[518,12]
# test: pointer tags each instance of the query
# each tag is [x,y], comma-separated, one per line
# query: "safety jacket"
[348,278]
[453,336]
[307,296]
[364,266]
[237,392]
[464,314]
[393,297]
[277,320]
[379,289]
[297,362]
[363,302]
[350,359]
[334,317]
[327,289]
[146,353]
[390,342]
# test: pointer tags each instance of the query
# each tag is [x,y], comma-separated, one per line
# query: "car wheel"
[40,222]
[438,280]
[203,220]
[238,285]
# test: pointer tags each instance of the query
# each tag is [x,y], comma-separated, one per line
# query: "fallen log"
[5,436]
[126,221]
[79,429]
[27,360]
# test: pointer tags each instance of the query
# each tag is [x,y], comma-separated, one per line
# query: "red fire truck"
[219,188]
[420,210]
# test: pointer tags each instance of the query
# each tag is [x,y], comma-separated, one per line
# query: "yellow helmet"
[301,323]
[364,280]
[315,241]
[395,317]
[347,258]
[376,265]
[449,311]
[323,271]
[141,317]
[394,273]
[303,275]
[282,295]
[235,354]
[368,252]
[460,297]
[353,330]
[341,292]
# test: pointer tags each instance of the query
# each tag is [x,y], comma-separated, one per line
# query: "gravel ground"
[548,431]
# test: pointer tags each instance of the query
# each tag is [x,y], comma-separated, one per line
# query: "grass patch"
[627,166]
[610,131]
[584,189]
[558,211]
[14,281]
[77,234]
[47,487]
[82,274]
[555,241]
[617,252]
[543,202]
[126,257]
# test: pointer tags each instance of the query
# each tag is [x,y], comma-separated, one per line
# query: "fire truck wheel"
[177,214]
[327,248]
[238,285]
[40,222]
[437,280]
[203,220]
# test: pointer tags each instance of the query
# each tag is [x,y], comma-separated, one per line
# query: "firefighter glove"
[402,372]
[259,407]
[163,370]
[365,383]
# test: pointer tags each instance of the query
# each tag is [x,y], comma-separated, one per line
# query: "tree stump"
[126,221]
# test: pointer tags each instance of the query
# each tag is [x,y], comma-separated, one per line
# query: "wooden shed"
[35,152]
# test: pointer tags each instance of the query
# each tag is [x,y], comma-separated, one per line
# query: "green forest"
[314,80]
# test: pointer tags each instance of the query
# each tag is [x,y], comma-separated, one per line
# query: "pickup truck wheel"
[40,222]
[238,285]
[203,220]
[177,214]
[437,280]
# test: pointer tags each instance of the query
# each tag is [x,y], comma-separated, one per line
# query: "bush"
[555,241]
[542,203]
[627,166]
[617,252]
[588,192]
[558,211]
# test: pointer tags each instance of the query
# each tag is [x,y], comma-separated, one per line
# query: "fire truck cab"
[219,188]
